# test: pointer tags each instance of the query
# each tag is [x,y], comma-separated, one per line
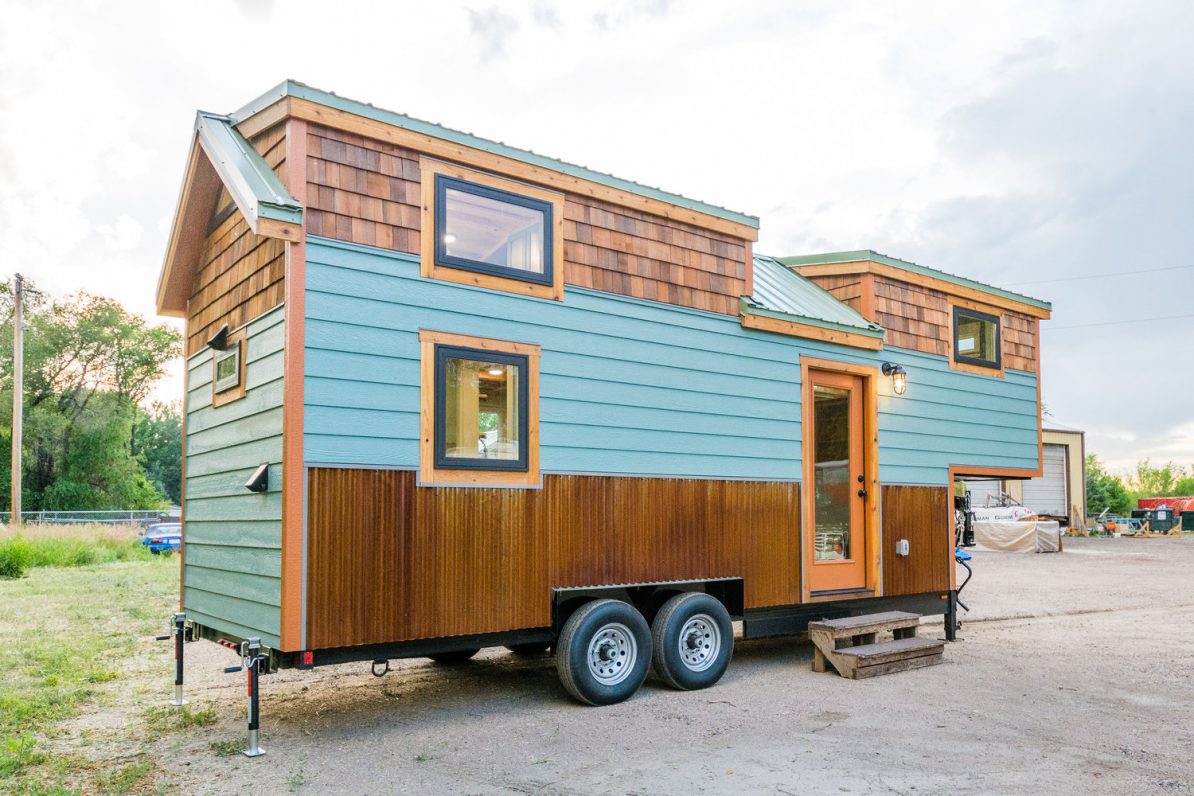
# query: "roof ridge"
[896,262]
[302,90]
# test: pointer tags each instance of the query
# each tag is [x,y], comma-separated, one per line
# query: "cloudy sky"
[1047,147]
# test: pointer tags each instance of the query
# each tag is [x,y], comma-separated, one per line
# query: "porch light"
[899,377]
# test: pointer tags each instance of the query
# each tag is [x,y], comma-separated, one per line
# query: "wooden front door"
[836,537]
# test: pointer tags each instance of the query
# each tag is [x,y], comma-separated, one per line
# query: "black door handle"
[862,493]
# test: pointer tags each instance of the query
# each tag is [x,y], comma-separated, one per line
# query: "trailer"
[444,394]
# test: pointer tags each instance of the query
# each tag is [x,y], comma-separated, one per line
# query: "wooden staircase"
[851,647]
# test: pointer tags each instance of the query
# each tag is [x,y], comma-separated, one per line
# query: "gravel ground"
[1075,675]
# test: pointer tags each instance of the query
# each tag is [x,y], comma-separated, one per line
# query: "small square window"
[227,365]
[492,231]
[480,409]
[976,338]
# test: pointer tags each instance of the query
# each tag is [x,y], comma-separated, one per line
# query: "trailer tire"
[534,649]
[604,652]
[455,656]
[693,641]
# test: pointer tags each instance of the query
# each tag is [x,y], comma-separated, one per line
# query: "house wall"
[233,537]
[242,274]
[919,318]
[627,387]
[366,191]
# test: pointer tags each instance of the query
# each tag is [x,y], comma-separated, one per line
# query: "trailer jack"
[180,633]
[251,661]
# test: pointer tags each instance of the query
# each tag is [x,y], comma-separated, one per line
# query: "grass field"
[91,600]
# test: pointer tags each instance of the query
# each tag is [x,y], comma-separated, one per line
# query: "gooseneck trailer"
[445,394]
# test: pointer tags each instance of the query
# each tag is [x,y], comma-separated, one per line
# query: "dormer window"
[976,338]
[491,232]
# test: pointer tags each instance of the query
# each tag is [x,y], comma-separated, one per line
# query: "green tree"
[1105,491]
[89,365]
[161,449]
[1150,481]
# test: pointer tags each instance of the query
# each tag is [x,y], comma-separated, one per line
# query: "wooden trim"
[218,399]
[294,482]
[749,288]
[764,323]
[477,158]
[188,232]
[264,119]
[272,228]
[966,367]
[867,298]
[942,285]
[429,474]
[428,168]
[870,416]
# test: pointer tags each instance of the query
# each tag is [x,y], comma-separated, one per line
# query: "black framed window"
[484,229]
[227,368]
[977,338]
[480,409]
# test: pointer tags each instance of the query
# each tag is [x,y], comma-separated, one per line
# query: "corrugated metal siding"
[233,556]
[627,386]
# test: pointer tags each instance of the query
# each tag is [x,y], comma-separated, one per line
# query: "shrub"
[16,556]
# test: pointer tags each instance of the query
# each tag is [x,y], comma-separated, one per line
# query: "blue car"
[163,537]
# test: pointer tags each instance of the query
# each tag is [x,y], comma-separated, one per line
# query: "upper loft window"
[491,232]
[479,228]
[976,338]
[228,371]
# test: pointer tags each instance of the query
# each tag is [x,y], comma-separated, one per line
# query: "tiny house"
[445,394]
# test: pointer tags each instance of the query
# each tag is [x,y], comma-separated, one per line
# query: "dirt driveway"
[1076,675]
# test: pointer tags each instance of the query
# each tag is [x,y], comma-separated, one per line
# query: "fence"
[94,517]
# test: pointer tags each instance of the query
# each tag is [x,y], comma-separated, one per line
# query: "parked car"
[163,537]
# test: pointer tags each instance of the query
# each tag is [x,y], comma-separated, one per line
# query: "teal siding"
[233,557]
[627,386]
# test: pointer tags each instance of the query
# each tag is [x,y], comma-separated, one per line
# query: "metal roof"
[255,188]
[292,88]
[779,290]
[874,256]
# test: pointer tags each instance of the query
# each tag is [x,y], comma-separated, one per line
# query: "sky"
[1045,146]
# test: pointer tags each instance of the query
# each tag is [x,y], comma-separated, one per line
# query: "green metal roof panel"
[253,185]
[291,88]
[779,290]
[874,256]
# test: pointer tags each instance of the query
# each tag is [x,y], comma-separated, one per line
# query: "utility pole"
[18,395]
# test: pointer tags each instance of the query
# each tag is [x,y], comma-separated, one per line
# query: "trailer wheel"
[603,652]
[534,649]
[455,656]
[693,641]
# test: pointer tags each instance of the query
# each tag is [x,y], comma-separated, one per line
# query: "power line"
[1116,323]
[1104,276]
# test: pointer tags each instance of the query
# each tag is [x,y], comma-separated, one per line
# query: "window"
[976,338]
[480,412]
[480,409]
[487,231]
[228,371]
[497,232]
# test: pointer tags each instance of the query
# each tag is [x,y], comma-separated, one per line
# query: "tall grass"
[67,546]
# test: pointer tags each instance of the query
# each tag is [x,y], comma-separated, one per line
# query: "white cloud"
[1009,141]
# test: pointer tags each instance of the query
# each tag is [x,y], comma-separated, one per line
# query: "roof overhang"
[221,157]
[870,262]
[753,316]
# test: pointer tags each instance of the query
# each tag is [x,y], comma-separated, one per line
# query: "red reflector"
[307,660]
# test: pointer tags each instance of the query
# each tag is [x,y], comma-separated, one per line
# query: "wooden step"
[851,645]
[860,625]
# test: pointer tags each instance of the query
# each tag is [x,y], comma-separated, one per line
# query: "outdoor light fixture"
[899,377]
[219,341]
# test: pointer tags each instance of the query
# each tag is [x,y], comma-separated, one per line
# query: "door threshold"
[836,594]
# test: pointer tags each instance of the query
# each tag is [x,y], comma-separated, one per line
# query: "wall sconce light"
[899,377]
